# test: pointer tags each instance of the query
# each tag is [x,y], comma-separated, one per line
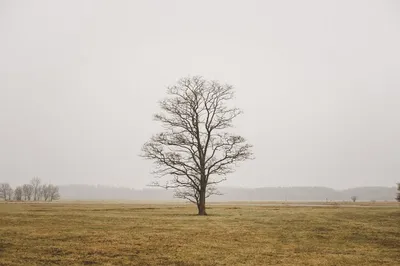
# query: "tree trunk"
[202,203]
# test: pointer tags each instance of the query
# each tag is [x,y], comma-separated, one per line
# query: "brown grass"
[148,234]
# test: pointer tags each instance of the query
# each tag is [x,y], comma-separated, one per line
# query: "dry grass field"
[147,234]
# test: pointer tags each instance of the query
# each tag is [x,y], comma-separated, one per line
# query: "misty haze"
[123,123]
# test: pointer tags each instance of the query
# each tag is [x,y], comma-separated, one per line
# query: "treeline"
[98,192]
[34,190]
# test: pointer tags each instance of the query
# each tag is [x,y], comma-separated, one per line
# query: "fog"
[318,82]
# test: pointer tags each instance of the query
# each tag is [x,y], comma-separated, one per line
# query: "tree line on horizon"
[398,193]
[104,192]
[34,190]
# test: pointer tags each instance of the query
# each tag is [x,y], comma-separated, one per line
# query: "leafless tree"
[18,193]
[46,192]
[398,192]
[35,182]
[196,149]
[27,190]
[41,191]
[10,193]
[354,198]
[6,191]
[53,192]
[3,194]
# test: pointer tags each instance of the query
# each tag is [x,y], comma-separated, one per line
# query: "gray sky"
[319,82]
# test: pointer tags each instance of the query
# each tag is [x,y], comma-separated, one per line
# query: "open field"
[160,234]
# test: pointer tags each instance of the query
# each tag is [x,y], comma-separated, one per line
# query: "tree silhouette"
[195,148]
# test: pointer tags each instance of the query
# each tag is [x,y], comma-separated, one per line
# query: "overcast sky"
[319,83]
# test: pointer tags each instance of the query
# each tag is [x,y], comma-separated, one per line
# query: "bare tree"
[35,182]
[18,193]
[196,149]
[45,191]
[4,190]
[27,190]
[41,191]
[3,193]
[354,198]
[398,192]
[9,193]
[53,192]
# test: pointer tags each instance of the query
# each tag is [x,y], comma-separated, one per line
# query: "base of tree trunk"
[202,209]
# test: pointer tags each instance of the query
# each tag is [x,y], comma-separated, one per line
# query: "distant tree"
[354,198]
[3,193]
[27,191]
[53,192]
[398,193]
[46,192]
[196,149]
[10,193]
[35,182]
[41,192]
[5,189]
[18,192]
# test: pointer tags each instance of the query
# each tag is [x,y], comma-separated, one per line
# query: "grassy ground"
[133,234]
